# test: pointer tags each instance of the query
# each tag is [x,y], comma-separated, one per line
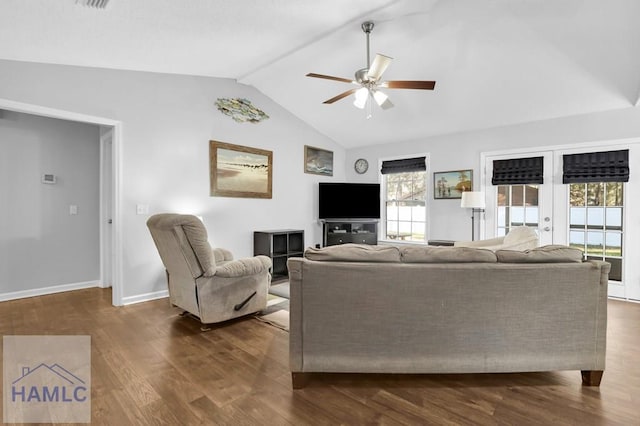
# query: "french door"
[529,205]
[593,216]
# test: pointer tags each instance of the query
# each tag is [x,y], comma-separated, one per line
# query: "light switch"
[73,209]
[142,208]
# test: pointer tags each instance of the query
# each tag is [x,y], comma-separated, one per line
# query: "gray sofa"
[419,309]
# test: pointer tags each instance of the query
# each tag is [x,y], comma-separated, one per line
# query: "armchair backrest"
[183,244]
[522,235]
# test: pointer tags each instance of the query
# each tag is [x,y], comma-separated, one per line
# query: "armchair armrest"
[222,255]
[243,267]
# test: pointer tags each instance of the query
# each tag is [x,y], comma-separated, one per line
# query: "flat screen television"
[349,200]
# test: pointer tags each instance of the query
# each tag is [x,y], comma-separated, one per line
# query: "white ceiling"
[496,62]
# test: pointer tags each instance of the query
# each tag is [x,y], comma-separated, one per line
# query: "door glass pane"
[614,217]
[517,216]
[502,217]
[517,195]
[531,195]
[503,195]
[531,216]
[577,216]
[614,194]
[576,239]
[595,217]
[614,243]
[517,205]
[577,194]
[595,243]
[595,194]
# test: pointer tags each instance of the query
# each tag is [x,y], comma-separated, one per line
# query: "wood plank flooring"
[150,366]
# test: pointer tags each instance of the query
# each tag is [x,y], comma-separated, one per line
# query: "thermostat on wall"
[46,178]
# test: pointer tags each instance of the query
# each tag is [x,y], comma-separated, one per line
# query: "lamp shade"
[472,200]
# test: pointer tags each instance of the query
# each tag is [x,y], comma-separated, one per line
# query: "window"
[517,206]
[595,222]
[405,199]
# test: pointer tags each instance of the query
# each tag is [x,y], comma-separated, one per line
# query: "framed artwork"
[239,171]
[447,185]
[318,161]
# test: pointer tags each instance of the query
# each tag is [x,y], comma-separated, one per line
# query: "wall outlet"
[73,209]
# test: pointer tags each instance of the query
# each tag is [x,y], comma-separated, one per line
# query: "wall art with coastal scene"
[452,184]
[318,161]
[239,171]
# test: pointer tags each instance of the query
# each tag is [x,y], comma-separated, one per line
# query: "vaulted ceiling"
[496,62]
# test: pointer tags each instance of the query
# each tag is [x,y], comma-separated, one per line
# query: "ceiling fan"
[369,80]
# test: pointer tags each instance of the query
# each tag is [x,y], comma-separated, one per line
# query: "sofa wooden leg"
[299,380]
[591,377]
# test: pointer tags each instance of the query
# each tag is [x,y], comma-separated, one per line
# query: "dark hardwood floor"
[150,366]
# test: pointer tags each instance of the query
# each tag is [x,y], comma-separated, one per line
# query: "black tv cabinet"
[343,231]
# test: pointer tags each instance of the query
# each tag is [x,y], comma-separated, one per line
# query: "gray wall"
[167,122]
[41,244]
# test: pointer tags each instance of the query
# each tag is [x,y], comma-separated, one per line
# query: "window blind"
[518,171]
[405,165]
[606,166]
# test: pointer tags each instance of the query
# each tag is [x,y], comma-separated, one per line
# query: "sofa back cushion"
[427,254]
[544,254]
[354,253]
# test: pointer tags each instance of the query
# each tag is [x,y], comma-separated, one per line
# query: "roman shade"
[517,171]
[606,166]
[405,165]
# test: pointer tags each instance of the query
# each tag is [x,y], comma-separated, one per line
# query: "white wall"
[41,244]
[462,151]
[168,121]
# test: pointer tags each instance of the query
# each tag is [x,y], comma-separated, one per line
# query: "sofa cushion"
[427,254]
[544,254]
[354,253]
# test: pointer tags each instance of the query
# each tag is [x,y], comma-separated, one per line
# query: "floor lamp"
[473,200]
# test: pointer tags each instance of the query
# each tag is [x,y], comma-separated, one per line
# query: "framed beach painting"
[448,185]
[318,161]
[239,171]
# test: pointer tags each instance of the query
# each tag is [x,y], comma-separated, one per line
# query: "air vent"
[98,4]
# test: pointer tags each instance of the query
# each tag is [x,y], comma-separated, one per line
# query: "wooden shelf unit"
[279,245]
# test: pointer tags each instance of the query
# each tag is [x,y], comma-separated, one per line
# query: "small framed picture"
[447,185]
[318,161]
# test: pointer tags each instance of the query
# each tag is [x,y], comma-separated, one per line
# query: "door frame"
[115,181]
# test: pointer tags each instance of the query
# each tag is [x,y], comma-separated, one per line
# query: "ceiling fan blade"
[378,66]
[330,77]
[340,96]
[409,84]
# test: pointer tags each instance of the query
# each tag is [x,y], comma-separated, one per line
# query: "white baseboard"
[130,300]
[47,290]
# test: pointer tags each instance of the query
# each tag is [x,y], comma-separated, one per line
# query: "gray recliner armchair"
[519,238]
[206,282]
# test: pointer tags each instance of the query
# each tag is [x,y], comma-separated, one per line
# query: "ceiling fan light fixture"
[361,96]
[380,97]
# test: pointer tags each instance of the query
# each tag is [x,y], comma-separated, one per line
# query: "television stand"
[343,231]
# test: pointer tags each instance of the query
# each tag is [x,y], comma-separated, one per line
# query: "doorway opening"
[110,160]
